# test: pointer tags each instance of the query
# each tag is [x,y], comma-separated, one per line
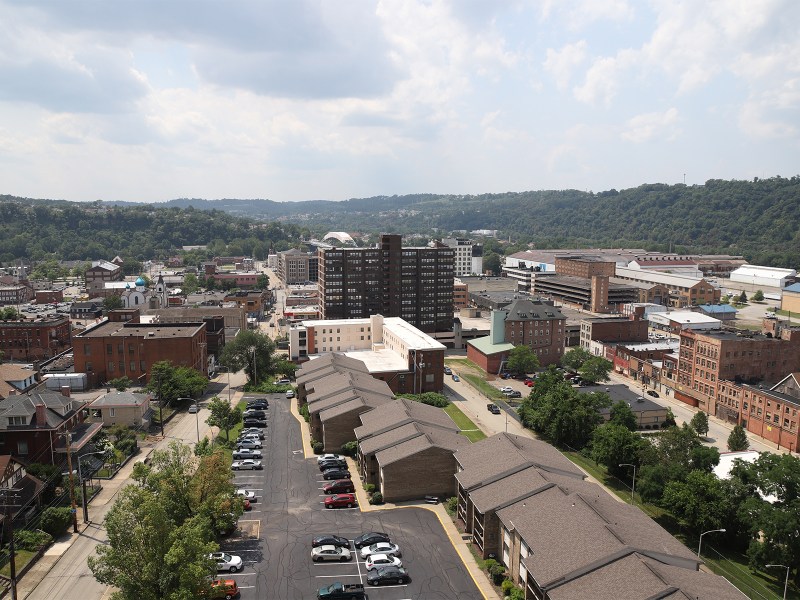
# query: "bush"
[349,449]
[429,398]
[497,572]
[516,594]
[318,447]
[369,487]
[507,586]
[55,520]
[376,498]
[32,539]
[451,505]
[303,410]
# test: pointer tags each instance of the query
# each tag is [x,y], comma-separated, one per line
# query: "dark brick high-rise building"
[415,284]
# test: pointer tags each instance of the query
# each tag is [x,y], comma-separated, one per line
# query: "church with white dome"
[140,296]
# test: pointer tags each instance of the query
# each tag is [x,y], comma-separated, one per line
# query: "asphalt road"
[274,539]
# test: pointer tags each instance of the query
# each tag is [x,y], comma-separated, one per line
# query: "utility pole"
[160,405]
[8,495]
[68,436]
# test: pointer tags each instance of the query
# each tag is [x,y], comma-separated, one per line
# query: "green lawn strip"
[219,440]
[22,559]
[468,428]
[480,384]
[729,564]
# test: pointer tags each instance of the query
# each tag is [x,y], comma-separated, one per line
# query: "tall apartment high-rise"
[415,284]
[468,259]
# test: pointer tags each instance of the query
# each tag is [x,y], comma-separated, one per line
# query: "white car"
[290,393]
[246,465]
[246,494]
[382,560]
[248,443]
[506,388]
[323,457]
[193,409]
[246,453]
[227,562]
[252,432]
[321,553]
[381,548]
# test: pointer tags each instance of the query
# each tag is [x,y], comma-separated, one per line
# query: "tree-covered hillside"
[36,229]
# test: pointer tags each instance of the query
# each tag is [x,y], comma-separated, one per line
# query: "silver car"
[323,553]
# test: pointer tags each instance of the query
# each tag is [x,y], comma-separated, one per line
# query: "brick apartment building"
[613,329]
[254,302]
[101,272]
[11,295]
[49,296]
[122,346]
[584,266]
[26,339]
[460,295]
[293,266]
[415,284]
[708,358]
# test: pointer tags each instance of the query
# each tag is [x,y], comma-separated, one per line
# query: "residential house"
[27,488]
[122,408]
[15,380]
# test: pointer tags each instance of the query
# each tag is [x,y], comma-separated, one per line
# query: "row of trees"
[162,529]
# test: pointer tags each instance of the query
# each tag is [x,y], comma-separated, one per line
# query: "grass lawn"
[468,428]
[484,388]
[728,563]
[220,440]
[22,556]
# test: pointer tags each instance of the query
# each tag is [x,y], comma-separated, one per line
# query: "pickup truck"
[342,591]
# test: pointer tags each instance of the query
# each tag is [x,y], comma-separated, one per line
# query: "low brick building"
[613,329]
[333,419]
[35,339]
[121,408]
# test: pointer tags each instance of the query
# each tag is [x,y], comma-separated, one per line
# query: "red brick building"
[37,339]
[584,266]
[613,329]
[122,346]
[49,296]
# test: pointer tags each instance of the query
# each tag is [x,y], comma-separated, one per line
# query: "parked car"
[342,591]
[246,465]
[382,560]
[283,381]
[223,588]
[254,414]
[455,377]
[332,464]
[506,388]
[341,501]
[246,494]
[246,453]
[513,394]
[335,474]
[325,553]
[530,383]
[248,444]
[227,562]
[340,486]
[386,547]
[324,457]
[193,409]
[247,505]
[383,575]
[261,424]
[505,375]
[652,393]
[369,538]
[330,540]
[290,393]
[253,431]
[448,371]
[494,409]
[257,405]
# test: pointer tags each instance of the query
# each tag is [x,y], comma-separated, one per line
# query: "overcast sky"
[148,100]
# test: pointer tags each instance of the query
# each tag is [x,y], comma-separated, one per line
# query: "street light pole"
[197,420]
[700,545]
[84,502]
[229,385]
[633,483]
[786,583]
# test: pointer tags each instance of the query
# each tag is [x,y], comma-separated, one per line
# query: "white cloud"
[562,63]
[645,127]
[603,79]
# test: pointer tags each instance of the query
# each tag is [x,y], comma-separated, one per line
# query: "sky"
[149,100]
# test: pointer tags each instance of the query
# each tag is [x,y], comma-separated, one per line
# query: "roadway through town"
[70,578]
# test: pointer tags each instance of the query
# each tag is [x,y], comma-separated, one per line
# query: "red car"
[342,486]
[340,500]
[530,383]
[247,505]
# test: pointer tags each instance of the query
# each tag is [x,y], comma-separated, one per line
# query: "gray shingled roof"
[120,399]
[359,402]
[331,362]
[399,412]
[523,309]
[433,438]
[24,405]
[332,383]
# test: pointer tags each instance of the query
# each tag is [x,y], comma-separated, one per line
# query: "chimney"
[41,414]
[66,390]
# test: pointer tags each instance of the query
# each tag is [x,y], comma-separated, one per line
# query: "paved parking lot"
[274,539]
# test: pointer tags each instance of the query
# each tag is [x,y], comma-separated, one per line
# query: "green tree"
[429,398]
[9,313]
[574,358]
[223,415]
[621,414]
[699,423]
[170,382]
[742,298]
[262,282]
[563,415]
[169,475]
[614,444]
[700,501]
[286,367]
[595,369]
[491,263]
[522,360]
[737,440]
[726,299]
[252,351]
[113,302]
[758,296]
[190,283]
[149,556]
[121,383]
[212,494]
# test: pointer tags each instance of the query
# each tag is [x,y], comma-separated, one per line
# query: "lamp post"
[229,384]
[84,503]
[633,483]
[255,372]
[786,583]
[700,545]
